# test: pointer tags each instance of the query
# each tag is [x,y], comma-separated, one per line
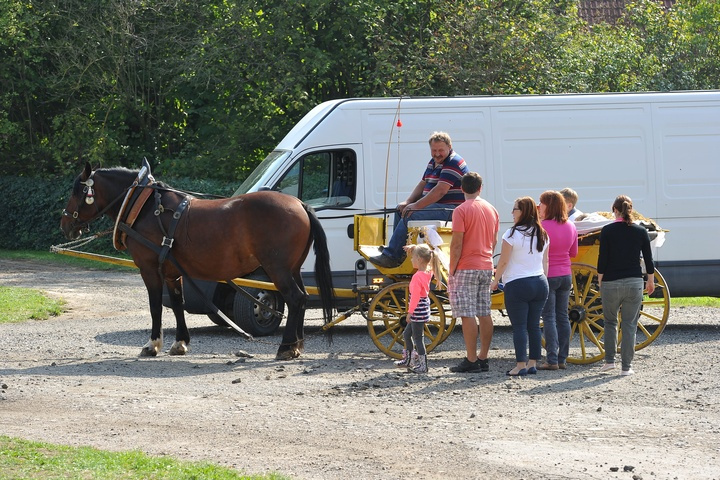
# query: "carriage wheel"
[586,316]
[387,319]
[654,313]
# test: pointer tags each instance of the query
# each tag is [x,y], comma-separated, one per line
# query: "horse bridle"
[88,197]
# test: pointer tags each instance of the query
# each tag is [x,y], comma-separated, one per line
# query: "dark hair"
[555,207]
[529,222]
[471,182]
[623,204]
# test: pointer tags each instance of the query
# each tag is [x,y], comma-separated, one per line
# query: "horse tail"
[323,273]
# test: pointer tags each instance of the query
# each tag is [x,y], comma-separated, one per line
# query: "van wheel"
[253,319]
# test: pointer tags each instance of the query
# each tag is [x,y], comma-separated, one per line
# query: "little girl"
[418,309]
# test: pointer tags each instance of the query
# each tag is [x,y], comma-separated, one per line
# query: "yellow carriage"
[387,309]
[384,305]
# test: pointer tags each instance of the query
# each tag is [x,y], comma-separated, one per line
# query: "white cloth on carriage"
[594,222]
[591,222]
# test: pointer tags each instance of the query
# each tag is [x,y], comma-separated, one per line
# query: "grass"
[20,304]
[21,459]
[58,259]
[695,302]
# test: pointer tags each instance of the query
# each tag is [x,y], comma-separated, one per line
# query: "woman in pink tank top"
[563,247]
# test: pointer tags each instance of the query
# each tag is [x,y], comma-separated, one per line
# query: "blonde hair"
[427,257]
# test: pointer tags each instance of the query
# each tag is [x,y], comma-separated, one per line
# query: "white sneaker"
[625,373]
[607,367]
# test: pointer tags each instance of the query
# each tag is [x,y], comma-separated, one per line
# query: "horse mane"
[115,172]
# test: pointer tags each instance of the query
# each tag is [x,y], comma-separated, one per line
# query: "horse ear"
[87,172]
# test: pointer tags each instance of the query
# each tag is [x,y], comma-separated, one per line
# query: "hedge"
[32,207]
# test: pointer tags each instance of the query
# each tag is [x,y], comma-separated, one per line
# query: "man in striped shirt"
[433,198]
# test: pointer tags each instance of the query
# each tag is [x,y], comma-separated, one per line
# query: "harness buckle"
[167,242]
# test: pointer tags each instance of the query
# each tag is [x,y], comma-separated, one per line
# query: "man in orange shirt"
[475,225]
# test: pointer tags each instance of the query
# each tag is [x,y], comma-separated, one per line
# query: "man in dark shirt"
[433,198]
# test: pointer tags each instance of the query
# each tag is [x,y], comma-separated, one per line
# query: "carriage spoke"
[644,330]
[585,310]
[581,337]
[390,330]
[653,313]
[593,338]
[649,316]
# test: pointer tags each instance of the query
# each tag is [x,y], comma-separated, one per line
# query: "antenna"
[396,123]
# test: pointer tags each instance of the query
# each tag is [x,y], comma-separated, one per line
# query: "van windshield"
[259,176]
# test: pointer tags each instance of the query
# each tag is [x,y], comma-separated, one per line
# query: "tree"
[207,89]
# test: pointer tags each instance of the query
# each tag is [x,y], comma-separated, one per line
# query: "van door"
[327,180]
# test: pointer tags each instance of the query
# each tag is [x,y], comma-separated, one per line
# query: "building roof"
[596,11]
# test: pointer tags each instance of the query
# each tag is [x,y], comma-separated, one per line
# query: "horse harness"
[138,194]
[136,197]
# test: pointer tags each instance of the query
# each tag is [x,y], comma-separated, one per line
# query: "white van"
[363,156]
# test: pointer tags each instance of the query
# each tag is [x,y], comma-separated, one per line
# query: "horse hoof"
[152,348]
[178,348]
[289,354]
[286,355]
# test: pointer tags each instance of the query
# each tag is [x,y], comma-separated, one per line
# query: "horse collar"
[135,199]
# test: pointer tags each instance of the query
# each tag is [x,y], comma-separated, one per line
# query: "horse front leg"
[182,335]
[153,283]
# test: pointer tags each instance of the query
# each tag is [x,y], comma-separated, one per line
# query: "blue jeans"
[524,302]
[556,323]
[622,296]
[435,211]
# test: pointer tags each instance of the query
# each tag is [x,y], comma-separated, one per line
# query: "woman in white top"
[523,268]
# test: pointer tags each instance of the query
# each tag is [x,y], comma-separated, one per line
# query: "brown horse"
[208,239]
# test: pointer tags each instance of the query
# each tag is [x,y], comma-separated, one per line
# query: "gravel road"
[342,410]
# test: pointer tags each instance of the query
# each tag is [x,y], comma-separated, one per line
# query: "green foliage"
[207,89]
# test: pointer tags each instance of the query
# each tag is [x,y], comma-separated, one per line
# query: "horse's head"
[81,208]
[96,193]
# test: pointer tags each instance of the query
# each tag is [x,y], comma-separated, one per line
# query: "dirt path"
[342,410]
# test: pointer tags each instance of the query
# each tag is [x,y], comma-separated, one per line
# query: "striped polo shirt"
[451,172]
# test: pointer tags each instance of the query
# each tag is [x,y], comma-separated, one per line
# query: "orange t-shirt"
[479,221]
